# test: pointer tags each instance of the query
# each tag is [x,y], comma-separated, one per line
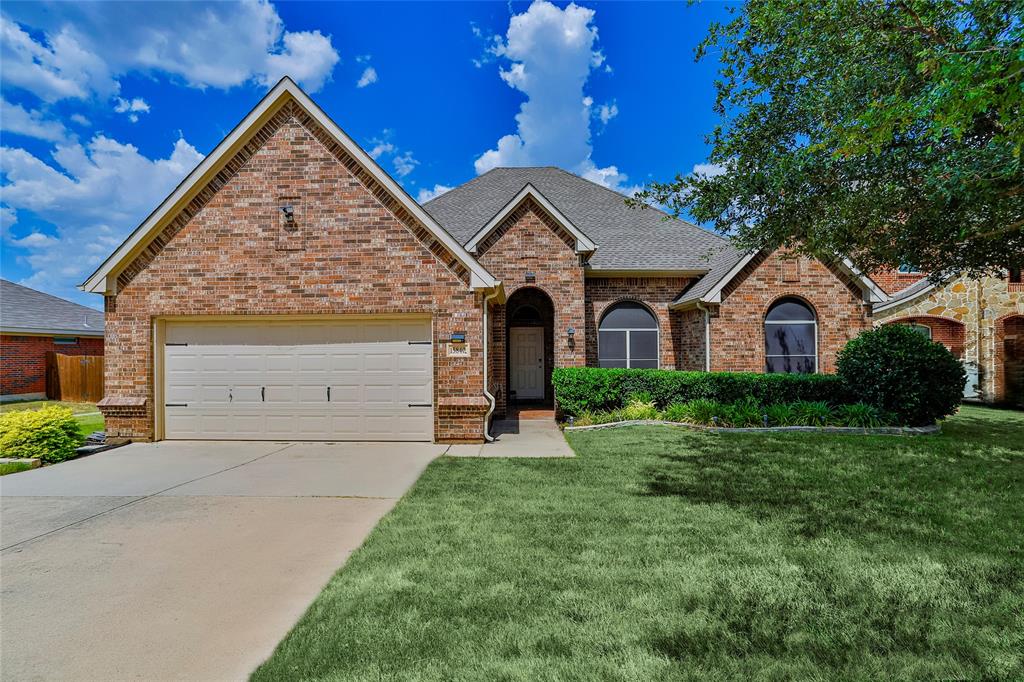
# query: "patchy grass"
[13,467]
[86,425]
[76,408]
[660,553]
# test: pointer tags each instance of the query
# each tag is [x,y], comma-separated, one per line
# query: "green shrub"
[860,415]
[637,408]
[781,415]
[746,412]
[898,370]
[50,434]
[676,412]
[702,411]
[811,412]
[593,389]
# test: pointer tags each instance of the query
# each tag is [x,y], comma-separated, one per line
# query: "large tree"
[889,131]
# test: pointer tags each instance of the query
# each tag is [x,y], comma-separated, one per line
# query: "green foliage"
[746,412]
[900,371]
[887,131]
[50,434]
[676,412]
[811,412]
[583,389]
[637,408]
[780,415]
[859,415]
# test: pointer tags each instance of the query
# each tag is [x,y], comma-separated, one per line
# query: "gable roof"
[583,242]
[32,312]
[104,279]
[627,239]
[910,293]
[710,287]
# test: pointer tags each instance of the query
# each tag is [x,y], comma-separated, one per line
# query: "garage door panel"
[260,381]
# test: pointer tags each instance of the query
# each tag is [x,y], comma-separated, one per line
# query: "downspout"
[707,336]
[490,398]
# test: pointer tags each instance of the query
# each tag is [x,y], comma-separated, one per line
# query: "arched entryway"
[1010,360]
[529,333]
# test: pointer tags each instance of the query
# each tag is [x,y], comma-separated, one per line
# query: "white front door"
[526,353]
[364,379]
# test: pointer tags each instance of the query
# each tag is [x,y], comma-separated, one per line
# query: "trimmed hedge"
[595,389]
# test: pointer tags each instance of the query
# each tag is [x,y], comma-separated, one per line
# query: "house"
[290,289]
[33,323]
[981,321]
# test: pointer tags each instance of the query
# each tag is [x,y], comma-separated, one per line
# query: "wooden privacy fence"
[77,378]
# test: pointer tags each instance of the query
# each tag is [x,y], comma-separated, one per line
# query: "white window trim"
[916,325]
[656,329]
[794,355]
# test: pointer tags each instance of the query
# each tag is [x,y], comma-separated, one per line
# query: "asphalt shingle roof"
[28,310]
[626,238]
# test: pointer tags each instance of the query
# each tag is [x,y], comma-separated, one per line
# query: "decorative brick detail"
[890,281]
[362,254]
[23,360]
[737,327]
[949,333]
[530,240]
[656,293]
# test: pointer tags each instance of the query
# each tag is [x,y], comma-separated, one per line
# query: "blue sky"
[105,107]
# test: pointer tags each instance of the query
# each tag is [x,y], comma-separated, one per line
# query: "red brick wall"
[737,330]
[690,344]
[675,340]
[354,250]
[891,281]
[529,240]
[949,333]
[23,360]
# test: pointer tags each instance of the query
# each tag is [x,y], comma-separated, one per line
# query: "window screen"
[628,337]
[790,338]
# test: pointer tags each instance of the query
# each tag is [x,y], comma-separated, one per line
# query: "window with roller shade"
[628,337]
[791,338]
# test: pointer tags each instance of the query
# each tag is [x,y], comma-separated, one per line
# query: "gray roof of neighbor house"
[626,238]
[30,311]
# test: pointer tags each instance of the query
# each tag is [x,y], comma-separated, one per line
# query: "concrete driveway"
[181,560]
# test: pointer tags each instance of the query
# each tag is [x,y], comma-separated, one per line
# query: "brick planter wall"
[737,327]
[23,360]
[353,249]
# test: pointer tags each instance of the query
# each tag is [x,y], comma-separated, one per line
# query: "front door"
[526,351]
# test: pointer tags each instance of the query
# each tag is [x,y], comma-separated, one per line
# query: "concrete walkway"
[181,560]
[539,437]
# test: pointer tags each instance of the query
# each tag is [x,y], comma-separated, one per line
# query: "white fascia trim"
[620,272]
[286,87]
[714,295]
[583,242]
[49,331]
[894,302]
[872,292]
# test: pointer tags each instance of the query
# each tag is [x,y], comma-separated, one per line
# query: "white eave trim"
[894,302]
[101,280]
[872,292]
[49,331]
[583,242]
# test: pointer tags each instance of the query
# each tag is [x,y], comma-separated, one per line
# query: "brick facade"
[890,281]
[675,342]
[530,240]
[353,249]
[949,333]
[737,326]
[23,360]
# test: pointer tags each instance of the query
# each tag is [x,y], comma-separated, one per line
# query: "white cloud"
[362,58]
[426,194]
[404,164]
[607,112]
[709,169]
[16,119]
[122,105]
[83,193]
[80,120]
[369,76]
[379,148]
[551,53]
[85,47]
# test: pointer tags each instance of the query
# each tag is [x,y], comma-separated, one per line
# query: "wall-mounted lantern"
[571,331]
[289,214]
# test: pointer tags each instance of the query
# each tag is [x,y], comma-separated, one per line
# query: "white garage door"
[352,380]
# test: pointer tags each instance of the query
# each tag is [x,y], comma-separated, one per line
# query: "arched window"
[922,329]
[628,337]
[791,337]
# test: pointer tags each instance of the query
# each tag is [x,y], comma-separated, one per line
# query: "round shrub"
[900,371]
[50,434]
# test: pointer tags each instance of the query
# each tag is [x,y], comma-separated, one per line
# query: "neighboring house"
[290,289]
[981,321]
[32,323]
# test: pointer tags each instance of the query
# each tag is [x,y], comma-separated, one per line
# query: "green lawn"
[88,424]
[13,467]
[660,553]
[76,408]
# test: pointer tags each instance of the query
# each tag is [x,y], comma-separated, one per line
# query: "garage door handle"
[263,393]
[420,405]
[328,394]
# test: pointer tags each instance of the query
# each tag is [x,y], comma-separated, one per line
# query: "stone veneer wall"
[982,306]
[737,327]
[530,240]
[230,253]
[675,338]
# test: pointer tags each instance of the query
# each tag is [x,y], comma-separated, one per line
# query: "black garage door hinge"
[175,344]
[421,405]
[175,404]
[420,343]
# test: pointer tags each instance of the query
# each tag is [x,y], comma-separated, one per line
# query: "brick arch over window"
[1009,359]
[945,330]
